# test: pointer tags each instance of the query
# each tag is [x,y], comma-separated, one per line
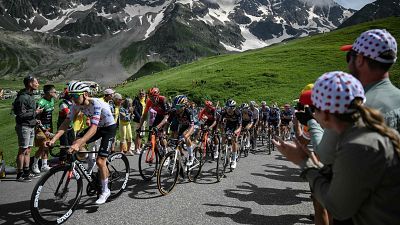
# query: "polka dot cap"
[334,91]
[373,43]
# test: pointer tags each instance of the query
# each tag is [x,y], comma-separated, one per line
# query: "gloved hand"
[181,138]
[304,116]
[155,129]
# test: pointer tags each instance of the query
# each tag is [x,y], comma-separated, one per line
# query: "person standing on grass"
[25,117]
[45,128]
[139,103]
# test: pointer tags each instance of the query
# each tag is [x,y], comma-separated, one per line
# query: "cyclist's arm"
[90,133]
[163,122]
[61,130]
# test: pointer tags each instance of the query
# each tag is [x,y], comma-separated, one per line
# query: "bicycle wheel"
[221,163]
[168,172]
[194,170]
[263,135]
[242,143]
[148,163]
[118,167]
[56,195]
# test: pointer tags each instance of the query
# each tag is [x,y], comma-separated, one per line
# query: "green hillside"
[276,73]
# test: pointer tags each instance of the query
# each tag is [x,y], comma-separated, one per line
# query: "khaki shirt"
[365,185]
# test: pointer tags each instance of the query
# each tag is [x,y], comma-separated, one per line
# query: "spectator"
[45,129]
[25,111]
[125,129]
[117,102]
[363,184]
[108,95]
[69,136]
[139,104]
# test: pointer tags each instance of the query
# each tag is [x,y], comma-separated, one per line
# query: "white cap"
[109,91]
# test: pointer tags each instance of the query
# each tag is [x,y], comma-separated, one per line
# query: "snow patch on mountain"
[51,24]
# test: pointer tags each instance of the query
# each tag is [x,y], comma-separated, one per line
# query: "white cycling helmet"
[78,87]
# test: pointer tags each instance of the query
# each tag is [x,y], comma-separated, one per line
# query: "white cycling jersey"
[98,111]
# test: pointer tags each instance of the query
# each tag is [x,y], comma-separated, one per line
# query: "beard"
[353,69]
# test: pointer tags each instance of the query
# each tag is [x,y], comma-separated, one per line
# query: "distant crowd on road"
[343,132]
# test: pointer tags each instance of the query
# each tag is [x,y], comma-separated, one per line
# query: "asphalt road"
[264,189]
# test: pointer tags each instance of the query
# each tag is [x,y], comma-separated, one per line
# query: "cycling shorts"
[107,135]
[285,122]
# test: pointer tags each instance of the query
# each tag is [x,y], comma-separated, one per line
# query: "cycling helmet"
[179,100]
[263,103]
[78,87]
[252,103]
[154,92]
[230,103]
[208,104]
[245,106]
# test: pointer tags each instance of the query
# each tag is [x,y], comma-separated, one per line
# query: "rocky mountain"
[376,10]
[132,32]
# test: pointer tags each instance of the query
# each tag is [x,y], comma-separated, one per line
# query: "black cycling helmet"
[230,103]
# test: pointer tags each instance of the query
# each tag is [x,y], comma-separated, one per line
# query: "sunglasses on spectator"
[350,54]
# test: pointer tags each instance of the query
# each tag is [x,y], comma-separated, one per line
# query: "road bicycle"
[151,155]
[244,144]
[174,164]
[58,192]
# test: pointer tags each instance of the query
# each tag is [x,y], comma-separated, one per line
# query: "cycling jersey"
[64,107]
[211,115]
[232,121]
[46,117]
[286,113]
[161,107]
[264,112]
[256,114]
[98,111]
[184,120]
[247,115]
[274,116]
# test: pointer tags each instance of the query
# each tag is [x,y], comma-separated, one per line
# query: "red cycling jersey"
[161,107]
[211,115]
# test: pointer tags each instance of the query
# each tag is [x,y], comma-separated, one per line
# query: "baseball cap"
[376,44]
[109,91]
[333,92]
[305,98]
[117,96]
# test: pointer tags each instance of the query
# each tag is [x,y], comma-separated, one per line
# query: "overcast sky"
[354,4]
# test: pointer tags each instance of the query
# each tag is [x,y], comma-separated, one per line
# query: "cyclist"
[286,118]
[102,125]
[232,122]
[160,105]
[264,112]
[256,120]
[247,120]
[210,115]
[183,114]
[274,119]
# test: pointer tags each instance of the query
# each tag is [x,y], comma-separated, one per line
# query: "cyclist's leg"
[107,138]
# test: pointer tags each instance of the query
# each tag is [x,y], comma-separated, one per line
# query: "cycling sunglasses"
[75,95]
[178,107]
